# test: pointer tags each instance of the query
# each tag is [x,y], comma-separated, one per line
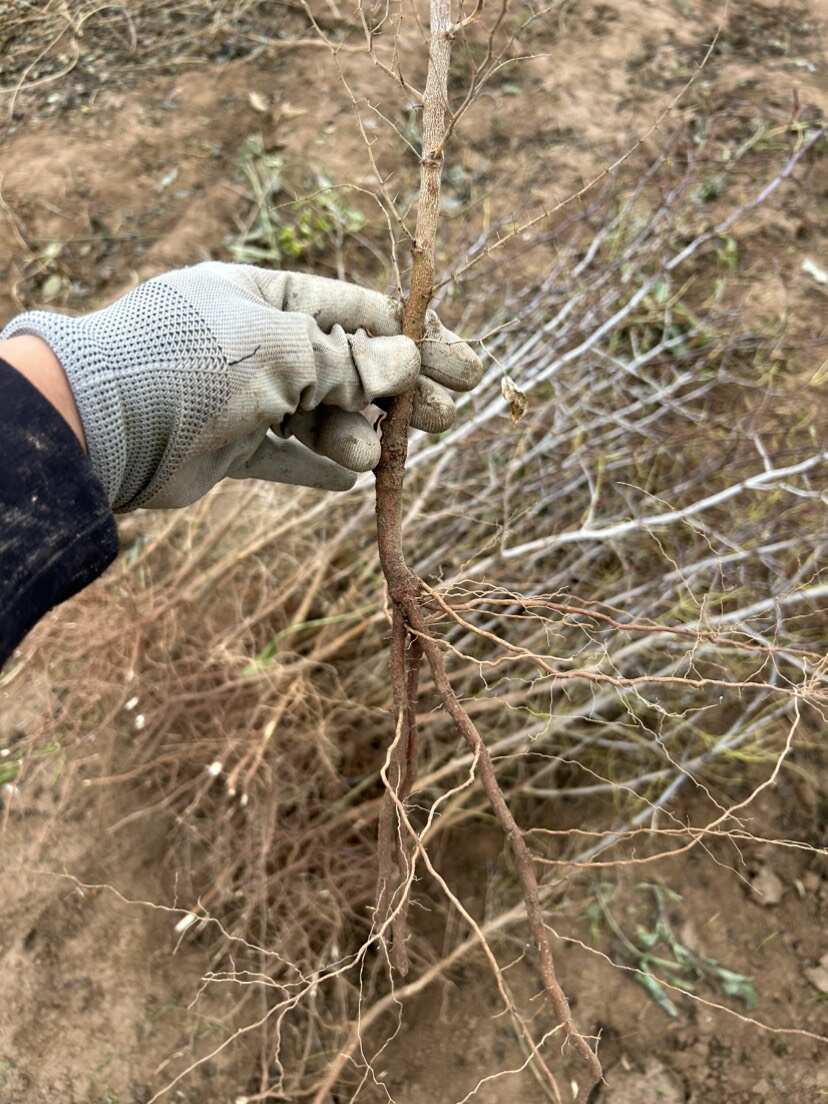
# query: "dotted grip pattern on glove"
[128,366]
[178,381]
[231,370]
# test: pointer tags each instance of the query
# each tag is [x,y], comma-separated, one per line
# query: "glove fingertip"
[359,452]
[447,359]
[434,410]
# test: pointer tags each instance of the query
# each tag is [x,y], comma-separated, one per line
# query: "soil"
[127,166]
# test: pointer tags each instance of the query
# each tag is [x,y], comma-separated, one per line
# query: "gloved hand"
[231,370]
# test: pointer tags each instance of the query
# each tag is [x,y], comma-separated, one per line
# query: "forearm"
[57,532]
[33,358]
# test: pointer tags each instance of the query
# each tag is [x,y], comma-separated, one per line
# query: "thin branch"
[404,587]
[608,171]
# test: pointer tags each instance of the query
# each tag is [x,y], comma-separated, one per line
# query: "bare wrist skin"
[33,358]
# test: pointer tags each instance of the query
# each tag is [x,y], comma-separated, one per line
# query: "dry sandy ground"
[97,1004]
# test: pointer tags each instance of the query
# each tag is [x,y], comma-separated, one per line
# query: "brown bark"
[409,632]
[403,585]
[391,469]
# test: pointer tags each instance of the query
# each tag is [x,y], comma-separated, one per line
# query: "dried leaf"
[167,179]
[767,887]
[818,976]
[258,102]
[51,288]
[289,111]
[811,268]
[518,403]
[52,251]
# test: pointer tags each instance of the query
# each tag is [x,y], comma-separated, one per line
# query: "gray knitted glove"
[207,372]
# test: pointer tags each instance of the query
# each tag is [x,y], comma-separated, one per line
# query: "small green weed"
[656,947]
[728,253]
[268,653]
[280,227]
[9,771]
[12,761]
[711,188]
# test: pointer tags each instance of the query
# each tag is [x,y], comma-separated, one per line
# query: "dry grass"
[628,585]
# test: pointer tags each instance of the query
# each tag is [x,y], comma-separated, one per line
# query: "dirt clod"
[654,1084]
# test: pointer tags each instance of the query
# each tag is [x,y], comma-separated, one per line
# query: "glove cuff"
[78,353]
[82,359]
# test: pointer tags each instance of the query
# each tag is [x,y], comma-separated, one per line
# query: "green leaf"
[737,985]
[656,991]
[8,772]
[661,290]
[648,939]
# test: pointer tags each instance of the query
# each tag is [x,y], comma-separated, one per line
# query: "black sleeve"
[57,532]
